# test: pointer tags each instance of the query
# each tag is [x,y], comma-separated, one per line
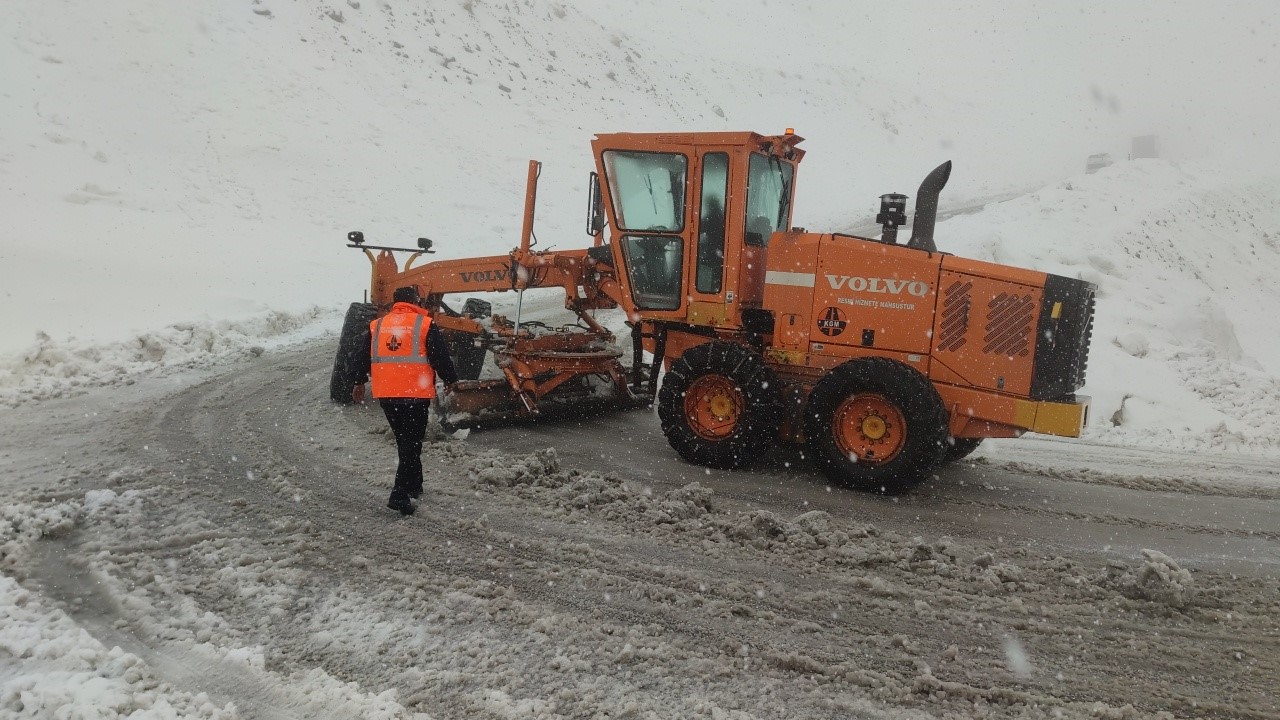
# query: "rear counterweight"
[1062,337]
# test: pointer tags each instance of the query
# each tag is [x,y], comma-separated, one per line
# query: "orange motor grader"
[884,359]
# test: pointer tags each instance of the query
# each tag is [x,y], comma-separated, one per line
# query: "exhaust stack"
[927,208]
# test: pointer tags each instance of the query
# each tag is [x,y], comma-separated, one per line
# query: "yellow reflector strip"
[1057,311]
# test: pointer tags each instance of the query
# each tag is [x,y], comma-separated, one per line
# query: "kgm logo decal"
[832,322]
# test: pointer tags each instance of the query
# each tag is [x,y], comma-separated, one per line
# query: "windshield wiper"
[784,205]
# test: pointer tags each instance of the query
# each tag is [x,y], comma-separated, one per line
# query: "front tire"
[875,424]
[719,405]
[468,357]
[351,363]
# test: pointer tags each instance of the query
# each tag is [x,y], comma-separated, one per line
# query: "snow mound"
[51,368]
[1158,579]
[22,524]
[494,468]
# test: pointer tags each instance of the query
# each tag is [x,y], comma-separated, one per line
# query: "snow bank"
[258,133]
[58,368]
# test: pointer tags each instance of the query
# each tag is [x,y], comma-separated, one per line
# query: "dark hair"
[408,294]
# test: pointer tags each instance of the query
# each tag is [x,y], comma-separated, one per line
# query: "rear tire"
[875,424]
[351,363]
[959,448]
[719,405]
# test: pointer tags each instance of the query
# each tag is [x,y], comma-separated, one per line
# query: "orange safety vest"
[398,354]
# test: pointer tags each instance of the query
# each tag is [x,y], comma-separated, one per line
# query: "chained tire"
[959,448]
[875,424]
[351,363]
[720,406]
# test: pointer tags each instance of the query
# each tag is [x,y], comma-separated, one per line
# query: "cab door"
[648,190]
[707,303]
[766,210]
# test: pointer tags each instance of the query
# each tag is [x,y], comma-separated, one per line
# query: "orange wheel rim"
[712,405]
[869,429]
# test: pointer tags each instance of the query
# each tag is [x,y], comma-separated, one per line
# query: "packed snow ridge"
[58,368]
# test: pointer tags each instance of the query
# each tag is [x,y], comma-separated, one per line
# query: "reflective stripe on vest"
[399,369]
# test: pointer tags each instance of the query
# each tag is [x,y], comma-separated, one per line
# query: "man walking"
[406,354]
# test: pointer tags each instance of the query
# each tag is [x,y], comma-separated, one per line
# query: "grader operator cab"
[884,359]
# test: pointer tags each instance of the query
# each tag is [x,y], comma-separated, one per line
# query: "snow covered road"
[228,536]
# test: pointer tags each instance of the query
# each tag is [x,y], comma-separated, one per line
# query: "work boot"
[399,501]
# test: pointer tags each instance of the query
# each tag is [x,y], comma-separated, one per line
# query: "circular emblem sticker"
[832,322]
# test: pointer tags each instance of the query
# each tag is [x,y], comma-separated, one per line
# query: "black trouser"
[408,418]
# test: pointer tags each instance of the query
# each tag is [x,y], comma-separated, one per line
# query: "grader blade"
[546,376]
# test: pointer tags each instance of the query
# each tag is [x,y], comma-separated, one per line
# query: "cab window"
[655,265]
[715,186]
[647,189]
[768,198]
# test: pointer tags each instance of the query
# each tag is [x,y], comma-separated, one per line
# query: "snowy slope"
[169,163]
